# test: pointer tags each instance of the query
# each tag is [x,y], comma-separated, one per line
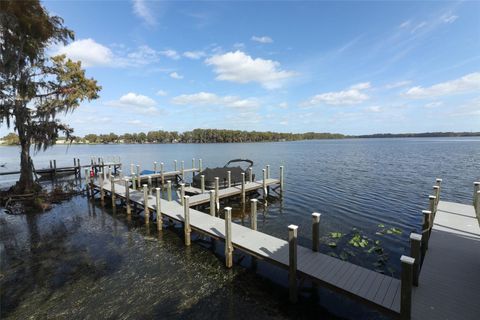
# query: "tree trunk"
[26,183]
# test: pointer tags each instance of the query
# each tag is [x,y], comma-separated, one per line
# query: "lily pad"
[332,244]
[336,235]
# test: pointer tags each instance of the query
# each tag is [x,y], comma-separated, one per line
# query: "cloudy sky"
[348,67]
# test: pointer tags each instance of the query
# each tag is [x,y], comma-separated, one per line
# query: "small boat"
[222,173]
[3,165]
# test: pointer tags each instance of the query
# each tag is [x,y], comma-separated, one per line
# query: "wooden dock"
[377,290]
[449,284]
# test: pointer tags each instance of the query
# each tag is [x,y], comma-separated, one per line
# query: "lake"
[86,261]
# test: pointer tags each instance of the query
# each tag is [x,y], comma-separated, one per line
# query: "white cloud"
[419,26]
[135,102]
[172,54]
[283,105]
[207,98]
[141,9]
[434,104]
[448,18]
[465,84]
[143,55]
[136,121]
[89,52]
[242,68]
[175,75]
[194,55]
[374,109]
[405,24]
[162,93]
[263,39]
[351,96]
[398,84]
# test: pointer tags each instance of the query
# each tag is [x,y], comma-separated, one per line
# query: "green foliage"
[11,139]
[358,241]
[336,235]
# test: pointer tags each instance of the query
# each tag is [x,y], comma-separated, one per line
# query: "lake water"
[85,261]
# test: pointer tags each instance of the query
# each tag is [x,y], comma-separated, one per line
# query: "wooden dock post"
[432,207]
[134,182]
[55,167]
[264,182]
[112,181]
[406,287]
[161,173]
[158,209]
[243,187]
[228,238]
[127,197]
[250,174]
[139,178]
[186,225]
[212,203]
[86,183]
[132,169]
[476,188]
[145,203]
[292,259]
[229,179]
[436,193]
[200,165]
[193,167]
[427,217]
[268,171]
[438,182]
[51,164]
[182,170]
[415,243]
[202,183]
[79,169]
[169,190]
[154,166]
[182,193]
[253,214]
[281,179]
[315,231]
[174,165]
[102,192]
[149,181]
[217,194]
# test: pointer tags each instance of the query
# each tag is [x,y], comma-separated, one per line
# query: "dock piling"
[202,183]
[200,165]
[268,171]
[315,231]
[186,225]
[415,243]
[432,207]
[217,194]
[281,179]
[169,190]
[292,259]
[228,238]
[476,188]
[149,181]
[174,165]
[264,182]
[406,287]
[253,214]
[86,183]
[127,197]
[212,203]
[154,166]
[193,167]
[229,179]
[427,218]
[112,181]
[55,167]
[161,173]
[182,193]
[183,169]
[132,169]
[250,174]
[134,181]
[139,178]
[102,192]
[158,209]
[145,203]
[243,187]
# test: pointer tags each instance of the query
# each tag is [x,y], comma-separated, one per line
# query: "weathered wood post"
[134,182]
[145,203]
[186,220]
[243,187]
[427,217]
[182,173]
[253,214]
[415,244]
[476,188]
[217,194]
[406,287]
[154,166]
[315,231]
[127,197]
[264,182]
[281,179]
[174,165]
[292,262]
[202,183]
[158,209]
[228,238]
[268,171]
[86,183]
[212,203]
[51,164]
[102,192]
[200,165]
[55,167]
[132,169]
[438,182]
[112,181]
[193,167]
[182,193]
[432,207]
[250,174]
[139,177]
[161,173]
[79,169]
[109,172]
[169,190]
[149,181]
[229,179]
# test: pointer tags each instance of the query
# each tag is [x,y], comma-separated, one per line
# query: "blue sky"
[349,67]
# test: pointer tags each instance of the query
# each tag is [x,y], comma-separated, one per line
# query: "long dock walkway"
[369,287]
[449,284]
